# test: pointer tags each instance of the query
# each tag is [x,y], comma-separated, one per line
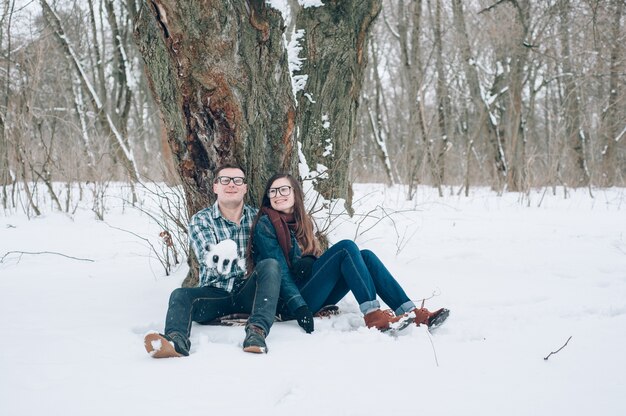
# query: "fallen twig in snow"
[554,352]
[432,344]
[42,252]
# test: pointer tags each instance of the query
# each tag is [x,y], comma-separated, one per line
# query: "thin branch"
[493,6]
[367,215]
[554,352]
[434,294]
[432,344]
[384,216]
[42,252]
[394,33]
[154,250]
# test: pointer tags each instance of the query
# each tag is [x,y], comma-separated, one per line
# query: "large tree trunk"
[334,55]
[219,74]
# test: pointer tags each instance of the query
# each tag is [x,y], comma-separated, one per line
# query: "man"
[221,292]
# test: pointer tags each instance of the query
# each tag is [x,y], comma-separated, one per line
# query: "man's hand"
[222,256]
[305,318]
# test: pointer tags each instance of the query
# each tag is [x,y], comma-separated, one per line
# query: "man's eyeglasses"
[283,190]
[225,180]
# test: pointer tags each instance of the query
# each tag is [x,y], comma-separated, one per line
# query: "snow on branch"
[310,3]
[21,253]
[292,44]
[619,136]
[382,145]
[298,82]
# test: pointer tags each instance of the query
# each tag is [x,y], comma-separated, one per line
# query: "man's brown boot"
[255,340]
[159,347]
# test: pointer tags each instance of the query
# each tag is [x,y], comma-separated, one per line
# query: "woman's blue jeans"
[343,268]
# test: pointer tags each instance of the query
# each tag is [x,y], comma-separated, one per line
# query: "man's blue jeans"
[258,297]
[343,268]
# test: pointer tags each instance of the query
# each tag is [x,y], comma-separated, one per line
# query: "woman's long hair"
[304,225]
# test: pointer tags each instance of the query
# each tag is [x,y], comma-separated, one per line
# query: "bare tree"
[575,134]
[104,117]
[7,15]
[442,100]
[481,105]
[613,130]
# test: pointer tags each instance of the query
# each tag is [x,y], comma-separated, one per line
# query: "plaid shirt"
[209,227]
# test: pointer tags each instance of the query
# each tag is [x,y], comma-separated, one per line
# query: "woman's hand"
[305,318]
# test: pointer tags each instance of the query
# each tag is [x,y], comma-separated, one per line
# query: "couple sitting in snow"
[287,264]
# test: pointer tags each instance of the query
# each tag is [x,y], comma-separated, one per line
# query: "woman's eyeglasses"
[283,191]
[225,180]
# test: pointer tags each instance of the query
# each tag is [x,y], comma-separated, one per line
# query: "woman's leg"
[386,285]
[340,268]
[393,295]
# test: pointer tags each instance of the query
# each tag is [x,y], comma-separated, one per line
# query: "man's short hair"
[220,168]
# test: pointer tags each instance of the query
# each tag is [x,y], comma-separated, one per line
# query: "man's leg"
[200,304]
[259,297]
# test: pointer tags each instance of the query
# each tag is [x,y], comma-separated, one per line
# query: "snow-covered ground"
[520,273]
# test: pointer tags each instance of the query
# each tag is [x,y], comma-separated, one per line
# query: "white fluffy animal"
[222,256]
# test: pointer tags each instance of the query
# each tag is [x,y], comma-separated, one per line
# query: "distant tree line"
[511,94]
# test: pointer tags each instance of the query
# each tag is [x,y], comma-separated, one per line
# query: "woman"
[282,230]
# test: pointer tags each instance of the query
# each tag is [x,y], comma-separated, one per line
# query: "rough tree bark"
[219,74]
[335,56]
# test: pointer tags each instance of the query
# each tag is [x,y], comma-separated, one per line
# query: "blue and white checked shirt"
[209,227]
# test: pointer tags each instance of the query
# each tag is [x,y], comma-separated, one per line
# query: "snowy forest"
[475,146]
[510,94]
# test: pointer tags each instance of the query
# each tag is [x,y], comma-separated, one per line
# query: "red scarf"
[282,224]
